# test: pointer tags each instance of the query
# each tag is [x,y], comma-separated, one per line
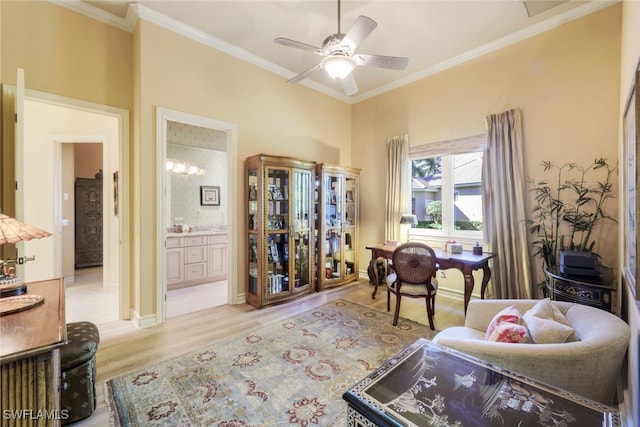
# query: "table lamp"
[408,219]
[13,231]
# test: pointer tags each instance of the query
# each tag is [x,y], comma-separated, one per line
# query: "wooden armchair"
[414,265]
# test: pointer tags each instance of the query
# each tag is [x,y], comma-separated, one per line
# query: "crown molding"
[137,11]
[125,24]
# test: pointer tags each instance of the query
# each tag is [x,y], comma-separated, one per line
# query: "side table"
[594,291]
[428,384]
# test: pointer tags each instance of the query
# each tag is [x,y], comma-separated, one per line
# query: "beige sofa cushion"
[547,324]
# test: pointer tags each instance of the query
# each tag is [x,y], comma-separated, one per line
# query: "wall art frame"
[631,184]
[209,195]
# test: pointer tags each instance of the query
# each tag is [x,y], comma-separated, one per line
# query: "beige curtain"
[398,191]
[503,187]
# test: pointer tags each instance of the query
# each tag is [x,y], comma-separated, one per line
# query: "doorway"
[51,123]
[208,148]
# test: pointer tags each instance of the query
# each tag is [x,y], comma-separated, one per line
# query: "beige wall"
[565,81]
[65,53]
[272,117]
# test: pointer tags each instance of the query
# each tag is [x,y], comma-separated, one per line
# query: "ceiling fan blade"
[361,28]
[349,84]
[305,74]
[299,45]
[381,61]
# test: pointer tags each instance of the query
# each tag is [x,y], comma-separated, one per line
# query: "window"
[446,188]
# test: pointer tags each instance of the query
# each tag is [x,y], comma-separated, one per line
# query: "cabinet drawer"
[196,240]
[217,238]
[196,254]
[175,242]
[196,271]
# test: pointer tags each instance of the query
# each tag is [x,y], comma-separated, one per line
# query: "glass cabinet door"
[278,221]
[302,226]
[350,226]
[253,250]
[333,222]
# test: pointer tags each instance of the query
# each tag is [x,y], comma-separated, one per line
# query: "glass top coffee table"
[428,384]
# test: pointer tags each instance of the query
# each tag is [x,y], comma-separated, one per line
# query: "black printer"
[576,263]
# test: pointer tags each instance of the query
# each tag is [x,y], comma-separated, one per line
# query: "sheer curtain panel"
[503,187]
[398,191]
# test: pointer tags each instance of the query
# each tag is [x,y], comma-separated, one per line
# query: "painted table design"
[427,384]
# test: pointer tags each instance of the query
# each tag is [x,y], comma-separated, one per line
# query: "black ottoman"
[78,367]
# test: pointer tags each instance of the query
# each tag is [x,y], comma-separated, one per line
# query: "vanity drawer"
[175,242]
[196,254]
[196,240]
[217,238]
[196,271]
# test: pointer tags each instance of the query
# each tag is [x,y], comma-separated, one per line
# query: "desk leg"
[374,273]
[469,282]
[485,279]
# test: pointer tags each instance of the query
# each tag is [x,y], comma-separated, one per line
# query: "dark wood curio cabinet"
[280,229]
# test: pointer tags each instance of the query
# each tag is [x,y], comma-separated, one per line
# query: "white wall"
[47,126]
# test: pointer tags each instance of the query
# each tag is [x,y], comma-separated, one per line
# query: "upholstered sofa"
[589,367]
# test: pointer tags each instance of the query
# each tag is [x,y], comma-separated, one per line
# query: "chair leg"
[397,313]
[388,300]
[428,302]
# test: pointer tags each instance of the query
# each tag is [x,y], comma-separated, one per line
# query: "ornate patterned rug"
[291,372]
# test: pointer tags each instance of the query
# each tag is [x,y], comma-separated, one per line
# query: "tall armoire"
[88,204]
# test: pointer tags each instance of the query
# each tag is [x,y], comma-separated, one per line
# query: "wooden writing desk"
[30,359]
[466,262]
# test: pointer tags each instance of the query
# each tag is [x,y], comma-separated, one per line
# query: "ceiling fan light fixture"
[338,66]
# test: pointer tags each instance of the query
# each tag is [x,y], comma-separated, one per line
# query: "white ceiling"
[434,35]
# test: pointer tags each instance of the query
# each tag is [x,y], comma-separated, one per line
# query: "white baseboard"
[144,321]
[241,298]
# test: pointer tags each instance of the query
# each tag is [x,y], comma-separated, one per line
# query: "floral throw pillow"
[505,327]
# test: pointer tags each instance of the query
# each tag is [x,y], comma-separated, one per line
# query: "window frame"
[446,150]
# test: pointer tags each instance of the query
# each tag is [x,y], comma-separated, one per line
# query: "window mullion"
[447,195]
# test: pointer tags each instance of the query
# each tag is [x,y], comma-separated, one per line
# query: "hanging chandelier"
[183,168]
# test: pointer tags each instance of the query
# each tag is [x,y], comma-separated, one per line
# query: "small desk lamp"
[409,219]
[13,231]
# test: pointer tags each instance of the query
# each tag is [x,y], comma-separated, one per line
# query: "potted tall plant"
[567,210]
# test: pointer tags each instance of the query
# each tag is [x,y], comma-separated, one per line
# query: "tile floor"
[88,300]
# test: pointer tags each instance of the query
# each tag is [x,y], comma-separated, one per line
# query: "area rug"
[290,372]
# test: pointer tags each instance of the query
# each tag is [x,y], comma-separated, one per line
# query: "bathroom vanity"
[195,258]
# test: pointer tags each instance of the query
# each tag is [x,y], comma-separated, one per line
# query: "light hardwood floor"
[124,348]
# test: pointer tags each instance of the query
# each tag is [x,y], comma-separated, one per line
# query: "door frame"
[164,115]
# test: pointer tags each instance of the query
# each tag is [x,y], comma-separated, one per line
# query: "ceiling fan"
[340,57]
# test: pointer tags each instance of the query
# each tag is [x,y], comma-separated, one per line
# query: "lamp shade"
[409,219]
[13,231]
[338,66]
